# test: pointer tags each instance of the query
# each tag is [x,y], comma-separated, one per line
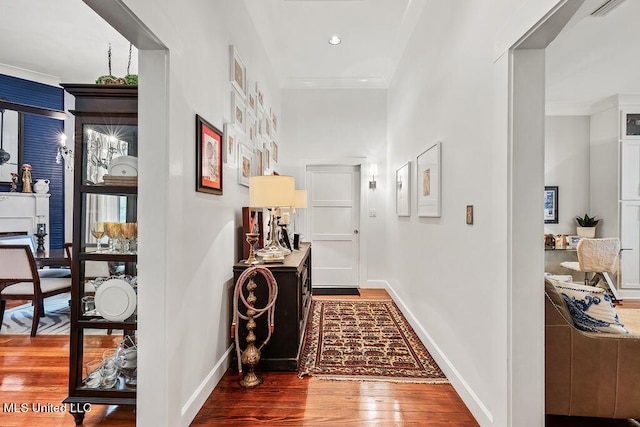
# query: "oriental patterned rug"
[365,341]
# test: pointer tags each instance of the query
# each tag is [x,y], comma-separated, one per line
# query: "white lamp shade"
[301,199]
[271,191]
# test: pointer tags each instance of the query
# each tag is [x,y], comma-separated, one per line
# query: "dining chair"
[27,239]
[600,257]
[19,280]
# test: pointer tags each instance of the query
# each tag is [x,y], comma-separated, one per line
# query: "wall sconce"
[64,152]
[373,170]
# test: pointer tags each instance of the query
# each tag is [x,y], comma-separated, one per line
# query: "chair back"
[19,239]
[598,255]
[92,269]
[17,264]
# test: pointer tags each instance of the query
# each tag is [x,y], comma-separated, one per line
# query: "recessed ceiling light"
[334,40]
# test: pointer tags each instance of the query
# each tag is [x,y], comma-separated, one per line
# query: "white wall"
[567,166]
[453,279]
[188,240]
[333,125]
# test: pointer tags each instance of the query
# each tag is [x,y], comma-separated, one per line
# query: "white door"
[333,224]
[630,243]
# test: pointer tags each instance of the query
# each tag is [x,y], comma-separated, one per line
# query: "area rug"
[18,320]
[366,341]
[630,318]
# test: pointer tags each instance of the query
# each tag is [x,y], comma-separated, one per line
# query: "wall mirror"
[11,143]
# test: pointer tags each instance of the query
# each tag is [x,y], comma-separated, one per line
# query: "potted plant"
[587,226]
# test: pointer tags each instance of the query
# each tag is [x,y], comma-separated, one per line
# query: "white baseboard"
[377,284]
[199,397]
[468,396]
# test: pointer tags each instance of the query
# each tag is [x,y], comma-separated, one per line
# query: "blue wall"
[41,144]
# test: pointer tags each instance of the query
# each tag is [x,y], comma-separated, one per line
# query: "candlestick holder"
[40,240]
[252,238]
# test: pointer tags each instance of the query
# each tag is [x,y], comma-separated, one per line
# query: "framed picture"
[259,163]
[208,157]
[238,73]
[238,111]
[551,204]
[259,97]
[572,241]
[274,151]
[251,130]
[252,99]
[402,190]
[267,125]
[231,141]
[266,162]
[245,163]
[428,182]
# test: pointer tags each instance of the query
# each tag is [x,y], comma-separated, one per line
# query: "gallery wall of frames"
[251,135]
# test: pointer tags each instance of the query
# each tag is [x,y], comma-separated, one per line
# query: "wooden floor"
[283,399]
[35,371]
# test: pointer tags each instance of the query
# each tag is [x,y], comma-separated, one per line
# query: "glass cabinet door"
[630,125]
[109,224]
[110,154]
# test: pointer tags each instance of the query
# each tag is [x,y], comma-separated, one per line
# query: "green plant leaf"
[587,221]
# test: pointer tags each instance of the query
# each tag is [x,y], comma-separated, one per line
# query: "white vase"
[589,232]
[41,186]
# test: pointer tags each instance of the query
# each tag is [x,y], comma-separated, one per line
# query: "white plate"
[116,300]
[124,166]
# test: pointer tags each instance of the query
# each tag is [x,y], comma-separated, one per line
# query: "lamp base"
[273,250]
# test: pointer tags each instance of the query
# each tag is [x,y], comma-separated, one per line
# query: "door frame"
[363,163]
[524,50]
[154,407]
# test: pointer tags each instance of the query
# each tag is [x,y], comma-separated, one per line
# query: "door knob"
[355,231]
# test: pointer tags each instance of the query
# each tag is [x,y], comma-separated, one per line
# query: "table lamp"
[300,202]
[272,192]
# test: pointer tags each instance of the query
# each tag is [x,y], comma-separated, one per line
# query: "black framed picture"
[208,157]
[550,204]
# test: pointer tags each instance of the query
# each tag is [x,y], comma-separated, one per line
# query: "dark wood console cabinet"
[282,353]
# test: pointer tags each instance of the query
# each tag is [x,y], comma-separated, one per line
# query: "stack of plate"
[116,300]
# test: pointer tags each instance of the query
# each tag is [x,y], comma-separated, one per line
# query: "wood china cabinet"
[105,128]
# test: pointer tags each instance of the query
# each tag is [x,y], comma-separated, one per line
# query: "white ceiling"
[295,34]
[64,40]
[594,58]
[61,40]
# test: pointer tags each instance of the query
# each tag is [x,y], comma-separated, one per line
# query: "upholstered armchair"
[590,374]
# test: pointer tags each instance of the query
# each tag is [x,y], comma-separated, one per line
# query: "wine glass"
[129,231]
[118,235]
[111,229]
[97,230]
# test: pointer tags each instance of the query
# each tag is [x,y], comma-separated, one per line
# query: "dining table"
[51,258]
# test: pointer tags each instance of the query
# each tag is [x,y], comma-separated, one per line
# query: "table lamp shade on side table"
[272,191]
